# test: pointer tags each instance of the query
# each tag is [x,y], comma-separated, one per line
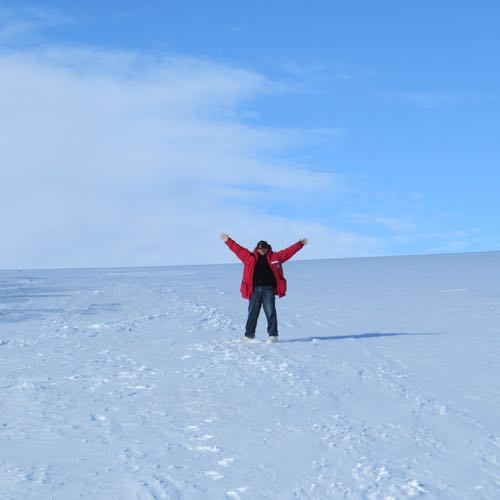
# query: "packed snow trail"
[127,383]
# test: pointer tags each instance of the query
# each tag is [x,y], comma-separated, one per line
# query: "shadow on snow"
[355,337]
[20,300]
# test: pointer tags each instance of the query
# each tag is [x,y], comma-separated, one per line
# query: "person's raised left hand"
[304,241]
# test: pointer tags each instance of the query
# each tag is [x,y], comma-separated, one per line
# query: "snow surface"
[127,383]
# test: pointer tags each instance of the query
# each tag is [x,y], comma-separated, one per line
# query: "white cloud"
[317,76]
[433,100]
[391,223]
[25,24]
[112,158]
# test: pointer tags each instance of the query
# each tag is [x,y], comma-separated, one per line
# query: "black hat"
[263,244]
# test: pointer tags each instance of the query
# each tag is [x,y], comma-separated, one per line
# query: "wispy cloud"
[115,158]
[434,100]
[318,77]
[28,23]
[391,223]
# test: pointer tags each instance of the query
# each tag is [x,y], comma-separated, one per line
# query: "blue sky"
[128,127]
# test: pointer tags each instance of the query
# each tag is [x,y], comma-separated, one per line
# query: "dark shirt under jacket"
[263,274]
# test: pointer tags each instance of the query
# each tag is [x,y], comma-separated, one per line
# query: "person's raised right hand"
[224,237]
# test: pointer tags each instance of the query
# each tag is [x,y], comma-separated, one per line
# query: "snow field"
[127,383]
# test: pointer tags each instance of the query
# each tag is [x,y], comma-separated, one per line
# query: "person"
[263,278]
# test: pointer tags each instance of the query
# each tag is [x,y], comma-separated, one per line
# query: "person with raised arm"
[263,279]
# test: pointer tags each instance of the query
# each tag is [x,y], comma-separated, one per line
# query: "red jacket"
[275,260]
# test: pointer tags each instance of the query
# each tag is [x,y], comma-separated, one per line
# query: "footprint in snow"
[226,461]
[214,475]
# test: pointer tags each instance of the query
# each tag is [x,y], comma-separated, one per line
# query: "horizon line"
[155,266]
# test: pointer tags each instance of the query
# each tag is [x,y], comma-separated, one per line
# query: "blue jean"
[262,296]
